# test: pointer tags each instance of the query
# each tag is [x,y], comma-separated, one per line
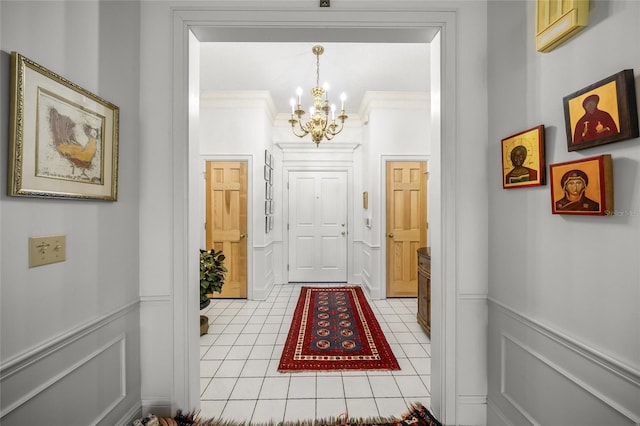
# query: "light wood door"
[406,225]
[318,226]
[226,227]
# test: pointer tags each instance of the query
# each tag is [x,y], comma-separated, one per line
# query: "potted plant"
[212,273]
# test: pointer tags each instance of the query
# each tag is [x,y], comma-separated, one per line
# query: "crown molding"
[393,100]
[239,99]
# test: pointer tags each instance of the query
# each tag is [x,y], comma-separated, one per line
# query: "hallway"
[239,359]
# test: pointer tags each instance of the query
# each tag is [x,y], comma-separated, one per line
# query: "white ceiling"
[281,67]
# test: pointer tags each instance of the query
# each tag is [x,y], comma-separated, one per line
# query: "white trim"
[492,407]
[599,358]
[306,145]
[412,14]
[121,339]
[240,99]
[393,100]
[575,380]
[37,353]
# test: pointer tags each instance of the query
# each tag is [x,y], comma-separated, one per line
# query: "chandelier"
[320,125]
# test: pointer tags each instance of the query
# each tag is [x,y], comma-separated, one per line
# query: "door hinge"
[287,267]
[287,185]
[287,226]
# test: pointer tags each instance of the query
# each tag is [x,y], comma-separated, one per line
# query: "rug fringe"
[416,414]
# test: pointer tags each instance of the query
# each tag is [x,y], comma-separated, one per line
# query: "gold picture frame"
[523,162]
[63,139]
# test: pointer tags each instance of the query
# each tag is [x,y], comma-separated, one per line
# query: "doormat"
[333,329]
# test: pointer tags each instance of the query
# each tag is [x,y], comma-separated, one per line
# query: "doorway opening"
[192,26]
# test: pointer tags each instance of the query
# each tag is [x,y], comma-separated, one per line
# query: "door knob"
[242,236]
[390,235]
[343,232]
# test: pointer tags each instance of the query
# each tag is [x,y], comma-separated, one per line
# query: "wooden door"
[226,222]
[406,225]
[318,226]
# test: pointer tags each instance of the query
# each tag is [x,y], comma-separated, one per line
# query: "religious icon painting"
[523,159]
[582,187]
[602,113]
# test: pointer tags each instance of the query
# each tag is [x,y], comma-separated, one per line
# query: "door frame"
[384,159]
[202,208]
[445,188]
[285,212]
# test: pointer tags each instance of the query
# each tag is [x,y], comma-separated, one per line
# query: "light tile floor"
[240,354]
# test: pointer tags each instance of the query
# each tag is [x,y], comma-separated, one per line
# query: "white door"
[317,226]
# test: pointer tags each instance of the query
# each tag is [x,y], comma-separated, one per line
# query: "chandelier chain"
[317,70]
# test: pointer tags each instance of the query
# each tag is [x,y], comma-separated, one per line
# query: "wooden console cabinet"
[424,289]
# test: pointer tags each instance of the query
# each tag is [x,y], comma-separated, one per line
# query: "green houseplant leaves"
[212,272]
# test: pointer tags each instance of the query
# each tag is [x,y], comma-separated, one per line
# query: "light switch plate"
[46,250]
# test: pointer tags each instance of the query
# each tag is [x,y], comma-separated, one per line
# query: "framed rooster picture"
[63,139]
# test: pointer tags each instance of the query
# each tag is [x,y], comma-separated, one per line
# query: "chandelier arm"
[293,129]
[306,128]
[302,128]
[332,128]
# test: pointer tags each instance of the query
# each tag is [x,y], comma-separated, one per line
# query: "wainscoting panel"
[371,272]
[263,272]
[78,379]
[540,376]
[156,348]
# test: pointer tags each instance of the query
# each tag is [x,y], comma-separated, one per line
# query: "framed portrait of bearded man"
[602,113]
[582,187]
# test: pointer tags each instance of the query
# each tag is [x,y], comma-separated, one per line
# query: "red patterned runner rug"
[334,328]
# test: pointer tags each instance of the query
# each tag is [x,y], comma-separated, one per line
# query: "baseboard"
[134,412]
[159,407]
[495,416]
[470,408]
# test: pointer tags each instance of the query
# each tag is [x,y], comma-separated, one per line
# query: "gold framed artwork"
[582,187]
[523,159]
[558,20]
[63,139]
[602,113]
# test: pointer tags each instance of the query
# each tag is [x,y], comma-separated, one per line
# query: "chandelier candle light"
[319,124]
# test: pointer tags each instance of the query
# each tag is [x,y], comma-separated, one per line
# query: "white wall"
[238,126]
[70,330]
[564,311]
[397,128]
